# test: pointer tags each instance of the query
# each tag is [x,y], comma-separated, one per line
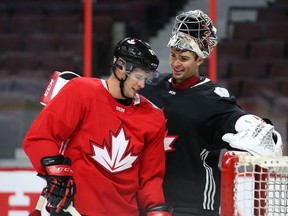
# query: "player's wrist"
[159,210]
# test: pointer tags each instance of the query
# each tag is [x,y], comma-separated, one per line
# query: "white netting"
[261,186]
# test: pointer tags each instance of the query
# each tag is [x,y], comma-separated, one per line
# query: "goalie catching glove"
[60,187]
[255,136]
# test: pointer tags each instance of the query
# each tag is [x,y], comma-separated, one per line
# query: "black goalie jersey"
[197,118]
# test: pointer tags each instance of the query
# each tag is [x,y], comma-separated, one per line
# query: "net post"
[227,183]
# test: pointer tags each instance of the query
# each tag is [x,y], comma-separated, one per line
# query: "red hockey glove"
[159,210]
[60,187]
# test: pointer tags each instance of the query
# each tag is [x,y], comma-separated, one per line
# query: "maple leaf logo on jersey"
[168,142]
[117,156]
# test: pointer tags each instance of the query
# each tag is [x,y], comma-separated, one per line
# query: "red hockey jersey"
[117,151]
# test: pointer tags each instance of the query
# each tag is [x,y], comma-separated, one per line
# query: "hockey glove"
[255,136]
[159,210]
[60,187]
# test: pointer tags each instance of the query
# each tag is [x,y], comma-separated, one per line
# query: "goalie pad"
[255,136]
[57,81]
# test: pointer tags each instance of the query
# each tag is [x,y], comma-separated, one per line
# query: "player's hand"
[159,210]
[60,187]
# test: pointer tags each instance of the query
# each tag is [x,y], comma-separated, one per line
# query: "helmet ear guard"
[119,66]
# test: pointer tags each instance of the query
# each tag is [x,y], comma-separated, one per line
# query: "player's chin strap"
[255,136]
[121,81]
[121,85]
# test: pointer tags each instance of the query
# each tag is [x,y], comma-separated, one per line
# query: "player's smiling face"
[183,64]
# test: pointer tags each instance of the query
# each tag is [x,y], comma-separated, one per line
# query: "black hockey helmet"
[136,53]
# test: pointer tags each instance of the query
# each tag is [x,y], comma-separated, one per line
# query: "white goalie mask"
[194,31]
[183,41]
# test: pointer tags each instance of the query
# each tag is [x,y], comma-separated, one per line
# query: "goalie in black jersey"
[203,118]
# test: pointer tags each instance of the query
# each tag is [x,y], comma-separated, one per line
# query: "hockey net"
[254,185]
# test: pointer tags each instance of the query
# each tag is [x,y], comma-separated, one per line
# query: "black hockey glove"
[159,210]
[60,187]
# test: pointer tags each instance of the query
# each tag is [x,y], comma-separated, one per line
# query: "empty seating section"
[277,30]
[18,61]
[41,42]
[267,49]
[247,31]
[57,26]
[226,55]
[239,47]
[102,27]
[248,68]
[4,23]
[278,68]
[26,23]
[254,60]
[256,53]
[11,42]
[61,61]
[268,14]
[64,23]
[255,88]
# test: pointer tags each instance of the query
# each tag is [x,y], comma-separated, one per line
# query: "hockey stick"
[40,204]
[55,84]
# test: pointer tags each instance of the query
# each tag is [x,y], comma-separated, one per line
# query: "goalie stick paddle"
[40,204]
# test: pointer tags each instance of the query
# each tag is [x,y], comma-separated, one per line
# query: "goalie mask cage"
[254,185]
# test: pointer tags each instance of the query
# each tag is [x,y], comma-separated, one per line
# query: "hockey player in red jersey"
[202,118]
[100,145]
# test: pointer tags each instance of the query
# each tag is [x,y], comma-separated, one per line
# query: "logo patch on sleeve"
[222,92]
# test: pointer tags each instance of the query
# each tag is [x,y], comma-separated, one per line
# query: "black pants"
[186,211]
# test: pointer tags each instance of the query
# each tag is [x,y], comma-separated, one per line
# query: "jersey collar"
[193,80]
[136,99]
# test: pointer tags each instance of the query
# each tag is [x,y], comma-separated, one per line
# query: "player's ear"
[199,61]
